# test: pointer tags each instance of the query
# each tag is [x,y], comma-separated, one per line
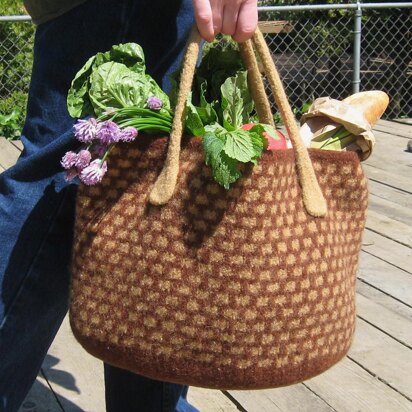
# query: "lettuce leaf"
[193,122]
[115,85]
[129,55]
[236,102]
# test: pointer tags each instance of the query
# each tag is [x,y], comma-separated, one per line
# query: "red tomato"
[276,144]
[273,143]
[248,126]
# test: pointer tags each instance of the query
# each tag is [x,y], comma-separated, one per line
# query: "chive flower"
[128,134]
[154,103]
[69,160]
[108,132]
[93,173]
[83,159]
[85,130]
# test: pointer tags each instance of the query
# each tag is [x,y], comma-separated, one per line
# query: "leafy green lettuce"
[114,79]
[236,102]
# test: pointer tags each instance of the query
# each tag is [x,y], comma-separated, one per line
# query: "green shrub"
[16,58]
[12,114]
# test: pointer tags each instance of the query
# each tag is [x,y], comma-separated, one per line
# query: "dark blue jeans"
[37,205]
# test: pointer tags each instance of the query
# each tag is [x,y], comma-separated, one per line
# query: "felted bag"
[177,279]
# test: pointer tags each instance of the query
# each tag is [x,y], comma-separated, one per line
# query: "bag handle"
[164,186]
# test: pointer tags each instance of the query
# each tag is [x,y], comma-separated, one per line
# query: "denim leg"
[126,391]
[36,204]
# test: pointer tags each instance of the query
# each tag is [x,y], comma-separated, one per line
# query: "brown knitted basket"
[237,289]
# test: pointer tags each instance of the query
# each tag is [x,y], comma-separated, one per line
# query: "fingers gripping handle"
[165,184]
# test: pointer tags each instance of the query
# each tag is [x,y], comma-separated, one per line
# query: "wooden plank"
[400,124]
[210,400]
[387,250]
[385,277]
[389,143]
[388,178]
[395,131]
[278,26]
[391,203]
[295,398]
[40,398]
[390,228]
[347,388]
[383,357]
[18,144]
[391,156]
[395,128]
[392,194]
[394,324]
[75,376]
[8,153]
[405,121]
[386,301]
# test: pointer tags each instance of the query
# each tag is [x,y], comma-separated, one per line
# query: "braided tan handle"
[163,188]
[315,203]
[166,182]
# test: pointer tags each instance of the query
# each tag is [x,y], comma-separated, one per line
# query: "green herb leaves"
[218,107]
[224,168]
[239,146]
[224,150]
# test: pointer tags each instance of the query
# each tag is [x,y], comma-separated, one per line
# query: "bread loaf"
[372,104]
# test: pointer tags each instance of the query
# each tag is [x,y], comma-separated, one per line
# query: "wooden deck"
[376,376]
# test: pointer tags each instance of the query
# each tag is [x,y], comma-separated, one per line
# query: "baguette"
[372,104]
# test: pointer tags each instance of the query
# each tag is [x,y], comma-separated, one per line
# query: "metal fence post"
[357,35]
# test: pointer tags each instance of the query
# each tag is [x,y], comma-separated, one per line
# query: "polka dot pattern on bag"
[225,289]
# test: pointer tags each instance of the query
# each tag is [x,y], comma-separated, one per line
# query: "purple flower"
[93,173]
[69,160]
[71,174]
[108,132]
[85,130]
[154,103]
[83,159]
[128,134]
[99,149]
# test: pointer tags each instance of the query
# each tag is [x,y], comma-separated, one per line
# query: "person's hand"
[236,18]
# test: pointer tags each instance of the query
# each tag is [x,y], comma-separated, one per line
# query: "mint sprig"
[225,150]
[239,146]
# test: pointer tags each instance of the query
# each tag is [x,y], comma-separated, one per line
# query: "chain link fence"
[16,48]
[314,51]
